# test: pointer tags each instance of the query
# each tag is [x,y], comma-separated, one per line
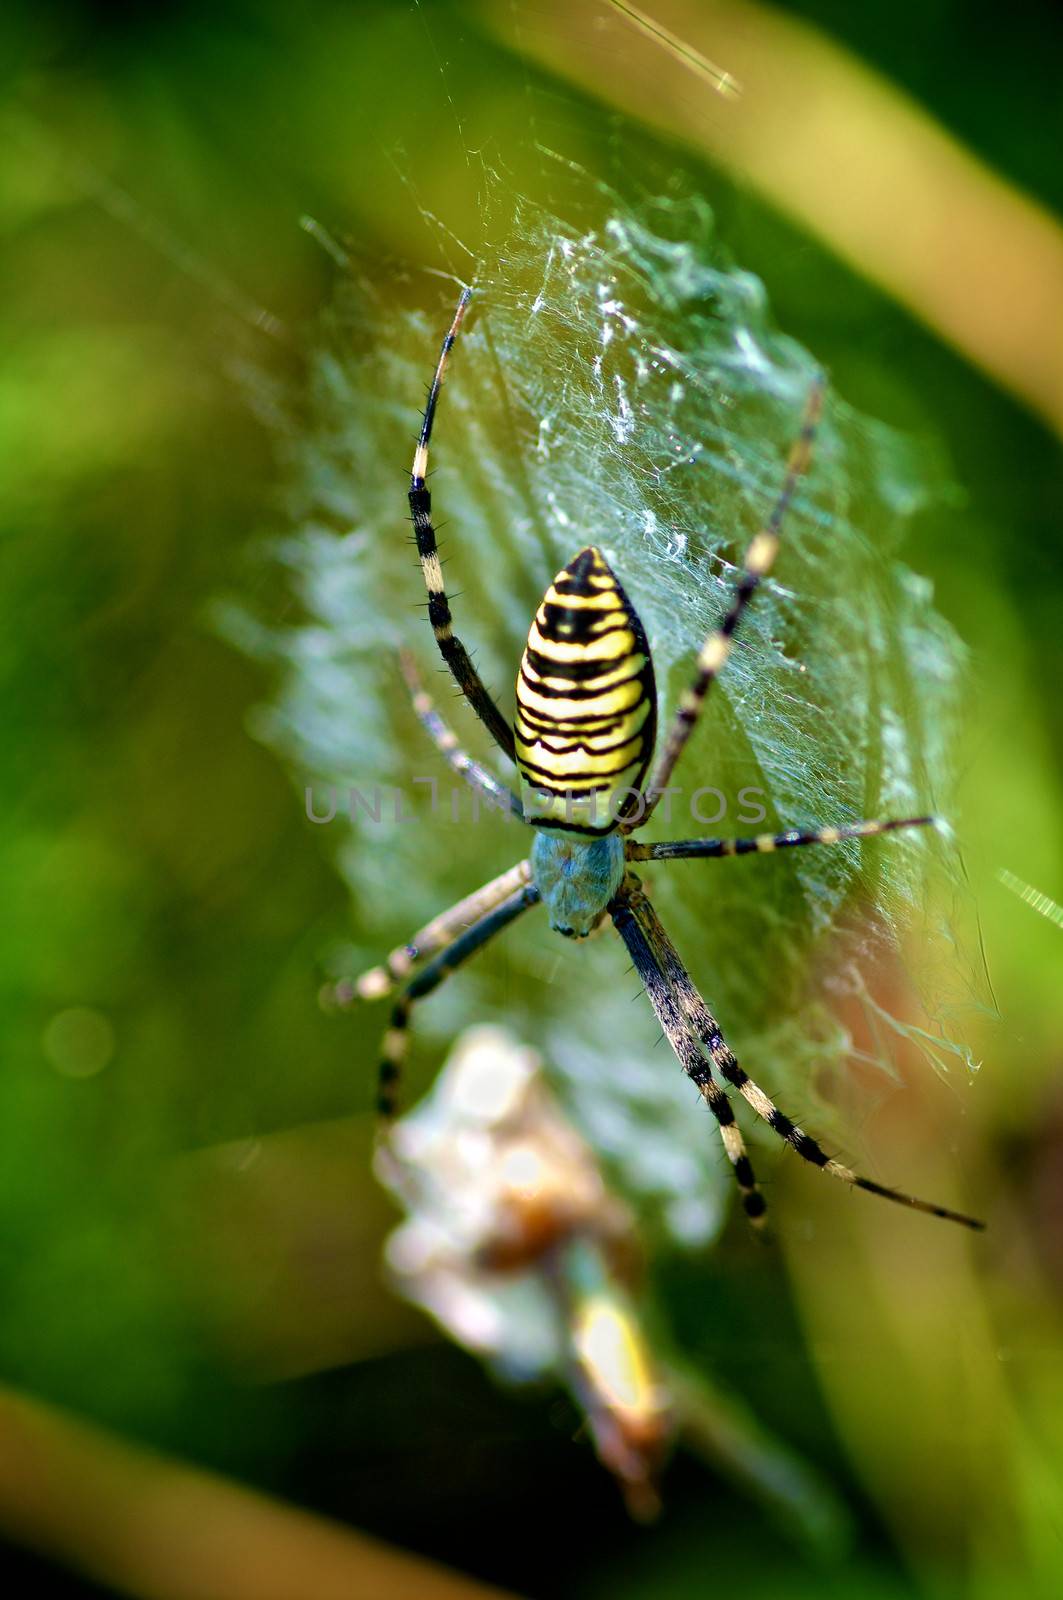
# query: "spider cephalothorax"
[583,743]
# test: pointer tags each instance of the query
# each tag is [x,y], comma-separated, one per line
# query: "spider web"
[620,381]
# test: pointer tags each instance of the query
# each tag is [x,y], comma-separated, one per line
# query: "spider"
[582,744]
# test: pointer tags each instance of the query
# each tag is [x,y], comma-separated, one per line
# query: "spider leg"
[397,1036]
[379,982]
[451,648]
[685,1045]
[765,843]
[446,742]
[708,1030]
[717,647]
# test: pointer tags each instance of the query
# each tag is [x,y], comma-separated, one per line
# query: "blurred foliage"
[168,905]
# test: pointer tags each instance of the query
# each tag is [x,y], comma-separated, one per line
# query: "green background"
[159,873]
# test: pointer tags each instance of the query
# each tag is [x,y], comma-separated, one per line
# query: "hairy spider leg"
[396,1039]
[724,1061]
[451,648]
[685,1045]
[765,843]
[446,742]
[380,981]
[717,647]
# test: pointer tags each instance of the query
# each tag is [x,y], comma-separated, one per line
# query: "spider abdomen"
[586,702]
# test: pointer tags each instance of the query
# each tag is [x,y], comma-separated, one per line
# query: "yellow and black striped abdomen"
[586,702]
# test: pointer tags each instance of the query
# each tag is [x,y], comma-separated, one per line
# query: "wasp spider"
[582,744]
